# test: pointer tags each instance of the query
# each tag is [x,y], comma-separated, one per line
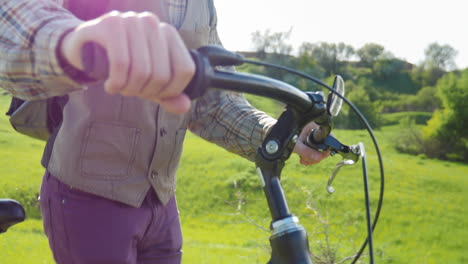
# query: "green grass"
[271,107]
[420,118]
[222,207]
[25,243]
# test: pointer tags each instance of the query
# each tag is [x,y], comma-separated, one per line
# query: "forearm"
[29,35]
[228,120]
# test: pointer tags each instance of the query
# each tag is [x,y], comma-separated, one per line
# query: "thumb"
[179,104]
[74,39]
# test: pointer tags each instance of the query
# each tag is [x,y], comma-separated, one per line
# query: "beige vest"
[119,147]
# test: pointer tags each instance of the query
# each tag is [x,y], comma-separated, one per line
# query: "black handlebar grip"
[198,85]
[315,139]
[95,61]
[96,65]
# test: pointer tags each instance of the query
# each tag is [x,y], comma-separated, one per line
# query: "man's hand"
[147,58]
[308,155]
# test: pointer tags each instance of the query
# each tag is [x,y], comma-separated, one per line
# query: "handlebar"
[206,58]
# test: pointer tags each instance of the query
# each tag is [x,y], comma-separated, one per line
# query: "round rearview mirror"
[334,102]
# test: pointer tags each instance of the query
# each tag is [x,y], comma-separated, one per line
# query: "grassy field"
[224,214]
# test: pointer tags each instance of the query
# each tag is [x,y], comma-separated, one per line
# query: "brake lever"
[349,158]
[330,142]
[350,154]
[340,164]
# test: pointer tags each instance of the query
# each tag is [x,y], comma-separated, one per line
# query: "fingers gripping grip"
[96,65]
[95,62]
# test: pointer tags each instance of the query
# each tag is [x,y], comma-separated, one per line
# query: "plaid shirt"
[29,69]
[176,12]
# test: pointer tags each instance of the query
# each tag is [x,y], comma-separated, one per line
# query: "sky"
[403,27]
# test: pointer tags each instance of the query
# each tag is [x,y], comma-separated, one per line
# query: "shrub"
[448,124]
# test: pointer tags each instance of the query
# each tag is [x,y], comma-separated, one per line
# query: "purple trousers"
[86,229]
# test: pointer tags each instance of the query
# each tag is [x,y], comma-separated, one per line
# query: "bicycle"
[289,241]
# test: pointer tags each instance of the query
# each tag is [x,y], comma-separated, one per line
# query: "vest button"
[154,174]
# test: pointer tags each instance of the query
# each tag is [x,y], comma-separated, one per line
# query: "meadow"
[225,218]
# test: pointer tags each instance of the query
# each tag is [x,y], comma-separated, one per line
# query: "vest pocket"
[109,151]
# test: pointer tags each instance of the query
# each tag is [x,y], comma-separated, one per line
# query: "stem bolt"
[272,147]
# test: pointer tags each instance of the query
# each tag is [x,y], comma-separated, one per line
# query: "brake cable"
[370,227]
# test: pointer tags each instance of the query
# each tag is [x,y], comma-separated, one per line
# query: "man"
[108,190]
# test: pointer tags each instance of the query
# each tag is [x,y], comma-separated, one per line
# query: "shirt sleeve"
[228,120]
[29,35]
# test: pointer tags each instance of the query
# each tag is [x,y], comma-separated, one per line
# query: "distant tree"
[394,75]
[328,55]
[389,68]
[424,75]
[307,64]
[439,59]
[370,53]
[268,42]
[440,56]
[273,47]
[361,99]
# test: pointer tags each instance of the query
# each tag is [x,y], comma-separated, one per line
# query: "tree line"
[379,83]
